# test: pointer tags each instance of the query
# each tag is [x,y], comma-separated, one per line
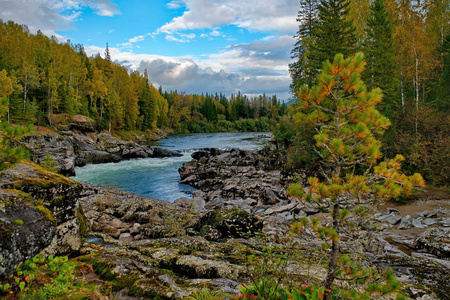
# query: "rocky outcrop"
[235,175]
[39,212]
[79,144]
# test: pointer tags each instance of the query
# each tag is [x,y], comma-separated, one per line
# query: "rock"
[160,152]
[59,148]
[84,145]
[83,124]
[194,203]
[422,271]
[116,223]
[416,222]
[392,211]
[135,229]
[405,223]
[39,212]
[429,222]
[445,222]
[435,241]
[126,237]
[390,219]
[196,267]
[233,222]
[230,175]
[283,208]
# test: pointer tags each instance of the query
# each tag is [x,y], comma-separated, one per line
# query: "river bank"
[147,248]
[79,142]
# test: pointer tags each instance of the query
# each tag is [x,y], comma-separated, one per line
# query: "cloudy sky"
[194,46]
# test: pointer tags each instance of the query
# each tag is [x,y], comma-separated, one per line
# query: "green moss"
[99,266]
[43,178]
[142,289]
[82,227]
[46,213]
[18,222]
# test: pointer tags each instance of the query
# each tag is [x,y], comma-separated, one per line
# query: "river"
[158,177]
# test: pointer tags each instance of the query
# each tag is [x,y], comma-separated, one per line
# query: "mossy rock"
[53,191]
[225,223]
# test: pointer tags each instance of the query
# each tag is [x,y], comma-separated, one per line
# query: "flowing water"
[158,177]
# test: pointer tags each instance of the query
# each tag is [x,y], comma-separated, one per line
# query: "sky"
[193,46]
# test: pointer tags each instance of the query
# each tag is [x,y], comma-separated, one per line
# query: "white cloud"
[51,15]
[254,68]
[175,39]
[175,4]
[257,15]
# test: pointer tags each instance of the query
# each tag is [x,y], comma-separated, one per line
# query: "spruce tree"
[301,70]
[347,123]
[335,32]
[379,51]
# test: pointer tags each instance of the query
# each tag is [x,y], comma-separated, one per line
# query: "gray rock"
[280,209]
[405,223]
[43,215]
[417,223]
[135,229]
[435,241]
[126,237]
[234,174]
[429,222]
[116,223]
[58,147]
[393,219]
[445,222]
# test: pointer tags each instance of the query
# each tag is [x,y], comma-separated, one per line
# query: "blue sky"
[195,46]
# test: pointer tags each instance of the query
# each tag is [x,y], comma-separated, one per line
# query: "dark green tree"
[334,34]
[379,50]
[301,70]
[9,155]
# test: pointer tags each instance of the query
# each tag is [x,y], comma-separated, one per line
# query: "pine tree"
[379,50]
[346,121]
[335,32]
[9,155]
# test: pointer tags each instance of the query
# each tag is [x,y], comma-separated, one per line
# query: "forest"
[405,45]
[41,77]
[406,48]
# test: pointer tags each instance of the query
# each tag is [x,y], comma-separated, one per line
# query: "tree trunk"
[416,80]
[332,266]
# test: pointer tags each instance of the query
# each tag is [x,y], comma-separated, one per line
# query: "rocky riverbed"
[413,239]
[147,248]
[80,142]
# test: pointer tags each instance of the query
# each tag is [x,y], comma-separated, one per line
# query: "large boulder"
[58,147]
[83,124]
[39,212]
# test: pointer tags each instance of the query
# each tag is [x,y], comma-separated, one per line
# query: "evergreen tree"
[335,32]
[346,121]
[301,70]
[107,54]
[9,155]
[379,50]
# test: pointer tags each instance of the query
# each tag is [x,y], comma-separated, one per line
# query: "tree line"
[41,77]
[406,45]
